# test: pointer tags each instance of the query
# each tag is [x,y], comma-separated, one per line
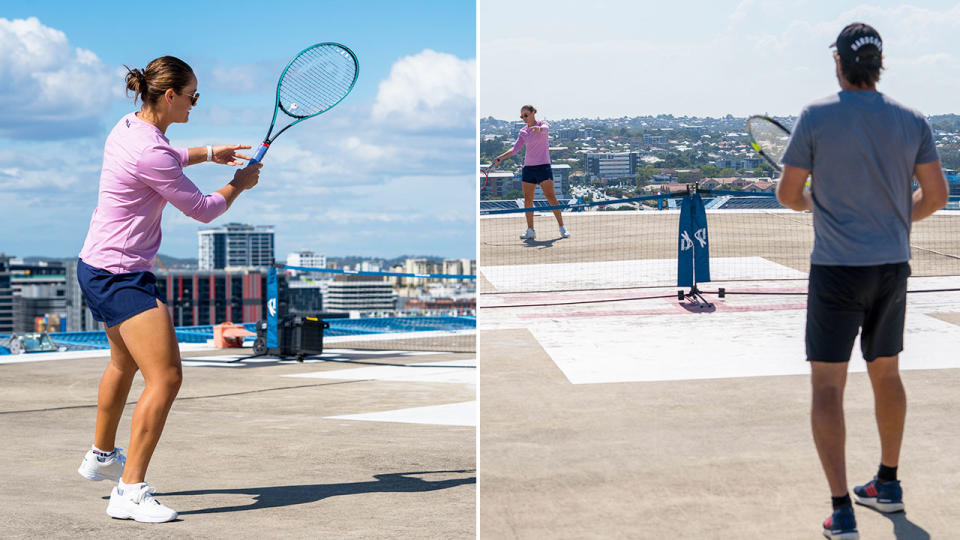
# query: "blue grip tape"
[258,157]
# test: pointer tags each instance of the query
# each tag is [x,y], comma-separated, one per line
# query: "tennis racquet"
[486,175]
[312,83]
[769,138]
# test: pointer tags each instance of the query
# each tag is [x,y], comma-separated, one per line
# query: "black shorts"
[534,174]
[114,298]
[843,299]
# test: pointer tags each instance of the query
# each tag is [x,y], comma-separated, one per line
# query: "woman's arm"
[506,155]
[243,179]
[521,140]
[160,168]
[224,154]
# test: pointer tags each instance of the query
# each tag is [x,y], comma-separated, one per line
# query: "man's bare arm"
[790,189]
[933,192]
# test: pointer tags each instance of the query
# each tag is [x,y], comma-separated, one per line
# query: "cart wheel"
[722,293]
[680,295]
[300,358]
[260,346]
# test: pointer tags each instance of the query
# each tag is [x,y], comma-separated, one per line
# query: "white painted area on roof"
[453,414]
[657,339]
[454,371]
[74,355]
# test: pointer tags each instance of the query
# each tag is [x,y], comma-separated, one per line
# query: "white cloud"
[49,89]
[754,56]
[428,90]
[247,78]
[342,183]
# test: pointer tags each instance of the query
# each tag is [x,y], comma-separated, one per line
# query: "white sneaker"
[111,469]
[564,233]
[529,235]
[137,503]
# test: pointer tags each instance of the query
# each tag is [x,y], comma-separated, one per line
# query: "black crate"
[297,335]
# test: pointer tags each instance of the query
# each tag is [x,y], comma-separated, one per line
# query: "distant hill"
[172,263]
[352,260]
[946,122]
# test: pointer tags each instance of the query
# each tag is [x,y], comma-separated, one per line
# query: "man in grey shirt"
[863,150]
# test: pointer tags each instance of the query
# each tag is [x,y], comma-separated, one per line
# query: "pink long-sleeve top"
[538,145]
[141,173]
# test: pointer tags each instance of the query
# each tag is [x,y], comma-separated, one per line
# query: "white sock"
[121,487]
[101,455]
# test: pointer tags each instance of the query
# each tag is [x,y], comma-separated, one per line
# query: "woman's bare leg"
[528,192]
[152,342]
[547,187]
[114,390]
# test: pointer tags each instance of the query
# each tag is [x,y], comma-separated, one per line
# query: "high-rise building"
[497,184]
[236,245]
[458,266]
[6,296]
[211,297]
[79,318]
[612,165]
[359,293]
[39,289]
[307,259]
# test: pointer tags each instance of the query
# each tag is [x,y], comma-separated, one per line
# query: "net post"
[272,288]
[693,247]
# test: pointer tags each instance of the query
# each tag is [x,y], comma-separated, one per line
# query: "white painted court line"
[453,414]
[74,355]
[454,371]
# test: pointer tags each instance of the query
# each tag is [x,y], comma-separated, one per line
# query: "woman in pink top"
[141,174]
[536,167]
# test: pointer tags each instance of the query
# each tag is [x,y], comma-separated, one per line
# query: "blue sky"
[703,57]
[389,171]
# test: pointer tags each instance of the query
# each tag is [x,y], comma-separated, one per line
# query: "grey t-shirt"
[861,147]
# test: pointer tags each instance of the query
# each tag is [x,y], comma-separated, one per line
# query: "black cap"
[859,43]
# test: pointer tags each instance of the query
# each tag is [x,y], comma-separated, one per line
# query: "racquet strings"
[316,80]
[767,138]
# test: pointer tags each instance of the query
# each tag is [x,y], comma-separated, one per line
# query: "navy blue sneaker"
[881,496]
[841,525]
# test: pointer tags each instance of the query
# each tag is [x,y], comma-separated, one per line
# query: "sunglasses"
[193,99]
[524,115]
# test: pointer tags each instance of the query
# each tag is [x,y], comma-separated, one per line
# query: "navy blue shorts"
[114,298]
[845,300]
[534,174]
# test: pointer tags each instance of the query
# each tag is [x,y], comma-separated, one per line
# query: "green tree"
[709,170]
[645,173]
[514,194]
[492,148]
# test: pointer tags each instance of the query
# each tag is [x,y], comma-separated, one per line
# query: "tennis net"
[632,243]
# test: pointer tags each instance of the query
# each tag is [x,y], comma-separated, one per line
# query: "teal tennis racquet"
[312,83]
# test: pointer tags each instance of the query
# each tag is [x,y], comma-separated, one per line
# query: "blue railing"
[338,327]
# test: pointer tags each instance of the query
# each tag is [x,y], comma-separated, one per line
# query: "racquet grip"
[258,157]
